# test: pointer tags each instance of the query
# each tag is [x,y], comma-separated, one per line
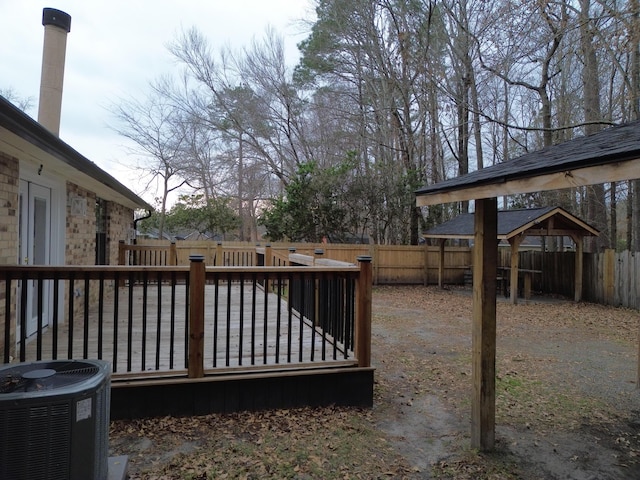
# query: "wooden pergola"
[611,155]
[514,226]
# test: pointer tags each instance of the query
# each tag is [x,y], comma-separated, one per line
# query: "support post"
[196,316]
[121,252]
[268,255]
[514,242]
[173,254]
[485,253]
[219,255]
[121,259]
[363,312]
[441,263]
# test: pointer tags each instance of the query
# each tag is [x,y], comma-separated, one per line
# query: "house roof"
[543,221]
[610,155]
[23,137]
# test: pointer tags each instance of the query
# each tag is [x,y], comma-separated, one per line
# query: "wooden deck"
[157,343]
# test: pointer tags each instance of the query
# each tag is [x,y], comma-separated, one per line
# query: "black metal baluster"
[186,322]
[302,309]
[7,323]
[130,323]
[228,339]
[159,322]
[145,301]
[265,319]
[289,317]
[254,282]
[72,293]
[56,316]
[100,313]
[313,315]
[241,319]
[216,297]
[278,312]
[172,333]
[116,307]
[40,317]
[85,315]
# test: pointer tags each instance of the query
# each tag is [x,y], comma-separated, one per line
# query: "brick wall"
[80,248]
[119,227]
[9,175]
[81,238]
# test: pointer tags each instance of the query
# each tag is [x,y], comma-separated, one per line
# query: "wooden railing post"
[196,316]
[121,252]
[363,312]
[173,254]
[219,255]
[121,259]
[268,255]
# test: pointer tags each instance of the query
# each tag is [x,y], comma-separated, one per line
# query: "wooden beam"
[556,232]
[485,256]
[610,172]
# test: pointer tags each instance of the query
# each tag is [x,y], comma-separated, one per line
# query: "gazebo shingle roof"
[510,223]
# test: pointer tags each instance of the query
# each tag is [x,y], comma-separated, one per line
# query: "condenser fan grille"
[45,376]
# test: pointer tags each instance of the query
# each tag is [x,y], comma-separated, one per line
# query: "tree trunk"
[596,203]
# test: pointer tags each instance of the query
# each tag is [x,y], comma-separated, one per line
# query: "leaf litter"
[566,404]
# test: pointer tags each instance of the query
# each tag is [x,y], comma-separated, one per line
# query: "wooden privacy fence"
[392,264]
[613,278]
[609,277]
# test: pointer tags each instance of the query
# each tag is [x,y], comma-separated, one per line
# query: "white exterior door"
[34,240]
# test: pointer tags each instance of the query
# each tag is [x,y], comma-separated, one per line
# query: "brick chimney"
[56,26]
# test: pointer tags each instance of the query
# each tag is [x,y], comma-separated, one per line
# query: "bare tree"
[153,125]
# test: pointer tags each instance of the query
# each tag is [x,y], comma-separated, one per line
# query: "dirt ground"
[567,405]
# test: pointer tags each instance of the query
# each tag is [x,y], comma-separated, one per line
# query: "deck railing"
[187,319]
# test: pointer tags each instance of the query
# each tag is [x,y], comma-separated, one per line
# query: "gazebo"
[610,155]
[514,226]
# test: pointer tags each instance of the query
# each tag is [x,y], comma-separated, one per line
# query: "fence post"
[173,254]
[268,262]
[363,312]
[317,253]
[219,255]
[121,252]
[196,316]
[121,259]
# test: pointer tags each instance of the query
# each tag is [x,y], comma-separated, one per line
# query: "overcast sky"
[116,47]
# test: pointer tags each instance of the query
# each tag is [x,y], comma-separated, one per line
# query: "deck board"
[283,339]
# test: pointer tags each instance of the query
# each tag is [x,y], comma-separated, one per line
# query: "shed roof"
[543,221]
[607,156]
[24,138]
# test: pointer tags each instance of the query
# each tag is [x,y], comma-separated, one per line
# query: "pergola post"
[485,255]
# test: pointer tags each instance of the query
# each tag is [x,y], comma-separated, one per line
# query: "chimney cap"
[57,18]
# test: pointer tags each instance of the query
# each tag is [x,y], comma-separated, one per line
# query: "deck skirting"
[344,386]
